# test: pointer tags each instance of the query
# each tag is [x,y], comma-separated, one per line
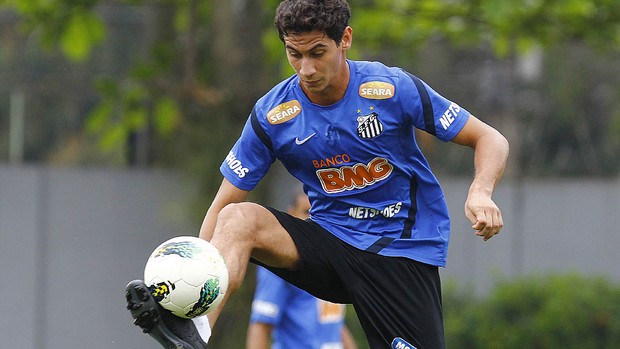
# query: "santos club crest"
[369,126]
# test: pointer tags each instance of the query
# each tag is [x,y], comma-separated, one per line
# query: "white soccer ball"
[187,275]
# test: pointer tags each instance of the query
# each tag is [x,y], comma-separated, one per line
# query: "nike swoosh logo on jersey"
[302,141]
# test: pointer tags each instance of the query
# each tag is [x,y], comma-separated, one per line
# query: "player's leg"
[248,230]
[314,272]
[409,310]
[242,231]
[167,329]
[398,300]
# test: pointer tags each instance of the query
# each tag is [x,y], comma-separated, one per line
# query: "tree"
[512,33]
[186,73]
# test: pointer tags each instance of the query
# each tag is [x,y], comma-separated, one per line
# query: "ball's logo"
[160,290]
[209,292]
[184,249]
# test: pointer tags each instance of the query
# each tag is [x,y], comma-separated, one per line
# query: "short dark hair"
[303,16]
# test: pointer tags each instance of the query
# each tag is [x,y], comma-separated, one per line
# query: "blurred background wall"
[73,238]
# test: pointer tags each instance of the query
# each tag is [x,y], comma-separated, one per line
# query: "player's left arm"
[348,342]
[490,155]
[259,336]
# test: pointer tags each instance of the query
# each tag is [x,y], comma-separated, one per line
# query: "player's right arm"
[226,194]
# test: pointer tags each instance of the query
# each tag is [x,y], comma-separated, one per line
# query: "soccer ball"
[187,275]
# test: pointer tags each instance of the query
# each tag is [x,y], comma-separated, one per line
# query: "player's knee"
[237,220]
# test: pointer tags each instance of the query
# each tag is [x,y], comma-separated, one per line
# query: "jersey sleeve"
[269,298]
[429,110]
[250,157]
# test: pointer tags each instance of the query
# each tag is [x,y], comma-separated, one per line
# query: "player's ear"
[347,38]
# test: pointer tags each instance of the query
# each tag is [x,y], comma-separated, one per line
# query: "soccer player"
[293,318]
[379,226]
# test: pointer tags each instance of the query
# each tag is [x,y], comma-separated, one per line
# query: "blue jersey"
[367,180]
[300,320]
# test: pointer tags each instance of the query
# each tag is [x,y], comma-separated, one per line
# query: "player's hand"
[483,213]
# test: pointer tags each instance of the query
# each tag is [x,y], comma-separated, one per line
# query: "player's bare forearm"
[348,342]
[208,223]
[226,194]
[490,155]
[259,336]
[491,152]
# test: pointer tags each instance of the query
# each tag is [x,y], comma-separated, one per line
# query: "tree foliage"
[560,311]
[70,25]
[505,25]
[205,58]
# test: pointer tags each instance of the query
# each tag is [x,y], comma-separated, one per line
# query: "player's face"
[320,64]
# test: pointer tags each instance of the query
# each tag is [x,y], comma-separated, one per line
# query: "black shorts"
[393,297]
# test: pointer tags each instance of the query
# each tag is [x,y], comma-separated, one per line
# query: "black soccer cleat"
[169,330]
